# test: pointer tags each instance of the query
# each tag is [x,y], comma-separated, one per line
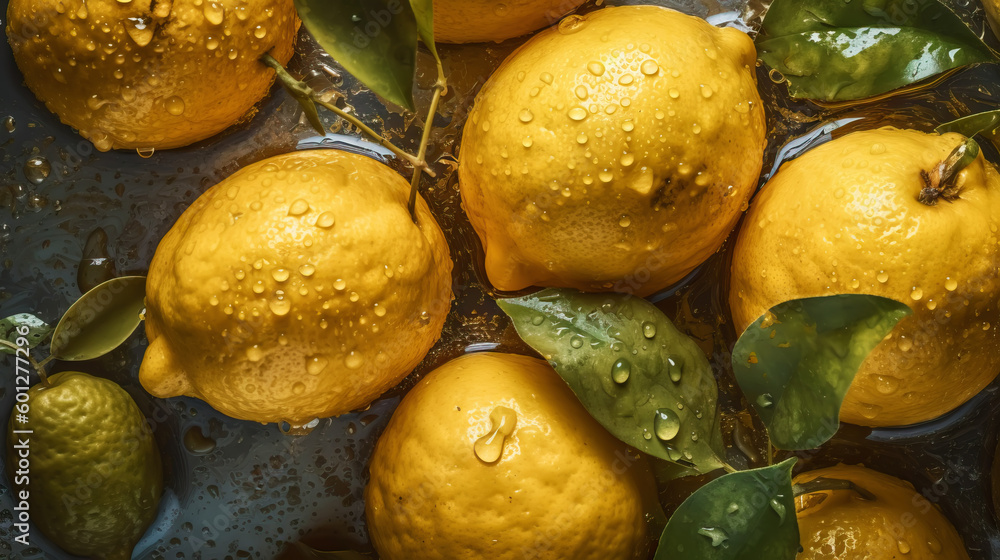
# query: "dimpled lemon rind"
[149,74]
[298,288]
[844,218]
[614,152]
[898,523]
[560,487]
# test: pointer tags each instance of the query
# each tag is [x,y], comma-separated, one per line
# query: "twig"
[39,366]
[440,87]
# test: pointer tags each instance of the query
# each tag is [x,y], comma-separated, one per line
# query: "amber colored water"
[243,490]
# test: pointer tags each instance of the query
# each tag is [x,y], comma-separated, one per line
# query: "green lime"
[92,474]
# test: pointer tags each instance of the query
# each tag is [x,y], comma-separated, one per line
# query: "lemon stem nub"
[827,484]
[941,182]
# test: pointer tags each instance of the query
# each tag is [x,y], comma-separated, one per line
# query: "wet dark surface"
[242,490]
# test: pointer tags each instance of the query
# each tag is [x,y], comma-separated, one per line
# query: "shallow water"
[242,490]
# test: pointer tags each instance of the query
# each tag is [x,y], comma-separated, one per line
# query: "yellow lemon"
[492,456]
[90,465]
[898,523]
[846,218]
[473,21]
[608,154]
[149,74]
[298,288]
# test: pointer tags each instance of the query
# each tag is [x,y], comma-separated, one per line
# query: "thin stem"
[827,484]
[439,88]
[39,367]
[304,93]
[770,451]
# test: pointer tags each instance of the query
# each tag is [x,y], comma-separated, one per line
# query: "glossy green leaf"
[746,515]
[642,379]
[795,363]
[375,40]
[837,50]
[23,325]
[987,124]
[100,320]
[423,10]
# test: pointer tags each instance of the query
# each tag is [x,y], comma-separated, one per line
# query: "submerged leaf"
[641,378]
[100,320]
[23,325]
[795,363]
[747,515]
[832,50]
[374,40]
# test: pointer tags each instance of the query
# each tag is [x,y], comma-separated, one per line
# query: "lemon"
[607,154]
[149,74]
[93,471]
[473,21]
[898,523]
[492,456]
[845,218]
[298,288]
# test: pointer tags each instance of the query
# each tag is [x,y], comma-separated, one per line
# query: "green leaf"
[375,40]
[100,320]
[34,331]
[796,362]
[746,515]
[987,124]
[641,378]
[837,50]
[423,10]
[299,90]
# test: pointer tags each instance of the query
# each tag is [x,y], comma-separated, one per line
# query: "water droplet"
[765,400]
[37,169]
[145,153]
[870,411]
[174,105]
[882,277]
[696,128]
[576,341]
[627,160]
[674,93]
[595,68]
[489,448]
[577,113]
[626,79]
[379,310]
[950,284]
[582,138]
[648,329]
[298,208]
[675,368]
[620,371]
[733,508]
[500,10]
[279,306]
[9,124]
[904,343]
[934,545]
[339,284]
[537,320]
[649,67]
[778,508]
[354,361]
[581,93]
[214,12]
[916,294]
[628,126]
[903,546]
[298,388]
[571,24]
[197,442]
[307,270]
[140,30]
[877,148]
[526,116]
[316,365]
[886,384]
[546,78]
[717,535]
[325,220]
[624,221]
[279,274]
[255,354]
[666,424]
[259,32]
[213,301]
[605,176]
